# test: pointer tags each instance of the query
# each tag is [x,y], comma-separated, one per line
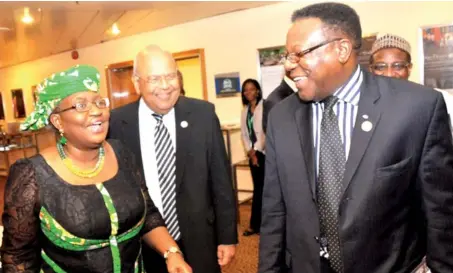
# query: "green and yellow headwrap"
[60,85]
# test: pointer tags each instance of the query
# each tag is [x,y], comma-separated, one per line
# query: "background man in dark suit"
[359,168]
[391,57]
[282,91]
[179,143]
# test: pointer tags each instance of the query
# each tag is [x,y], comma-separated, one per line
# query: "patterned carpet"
[246,259]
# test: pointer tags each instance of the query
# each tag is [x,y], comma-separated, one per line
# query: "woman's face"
[250,92]
[86,127]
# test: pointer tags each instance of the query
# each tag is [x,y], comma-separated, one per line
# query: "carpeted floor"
[246,260]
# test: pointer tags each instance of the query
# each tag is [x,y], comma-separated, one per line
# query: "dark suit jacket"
[398,184]
[204,194]
[278,94]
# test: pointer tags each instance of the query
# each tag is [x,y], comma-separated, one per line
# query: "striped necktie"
[166,167]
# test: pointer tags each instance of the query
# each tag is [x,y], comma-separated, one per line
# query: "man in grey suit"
[359,168]
[180,152]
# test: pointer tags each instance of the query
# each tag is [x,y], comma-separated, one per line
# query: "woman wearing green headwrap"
[80,206]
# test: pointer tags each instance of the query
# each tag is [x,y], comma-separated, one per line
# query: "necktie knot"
[158,117]
[329,102]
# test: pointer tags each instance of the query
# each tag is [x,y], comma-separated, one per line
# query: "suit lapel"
[367,120]
[131,132]
[183,132]
[303,117]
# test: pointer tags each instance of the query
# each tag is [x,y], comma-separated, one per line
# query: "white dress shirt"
[147,124]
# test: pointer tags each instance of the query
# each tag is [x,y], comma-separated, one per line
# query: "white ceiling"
[64,26]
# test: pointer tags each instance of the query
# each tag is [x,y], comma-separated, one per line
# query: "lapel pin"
[365,116]
[367,126]
[184,124]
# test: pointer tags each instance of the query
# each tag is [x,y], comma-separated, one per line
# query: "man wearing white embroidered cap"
[179,146]
[391,57]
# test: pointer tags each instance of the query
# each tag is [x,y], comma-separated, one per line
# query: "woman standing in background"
[253,138]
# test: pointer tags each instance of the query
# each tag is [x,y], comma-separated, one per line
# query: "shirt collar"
[145,110]
[350,91]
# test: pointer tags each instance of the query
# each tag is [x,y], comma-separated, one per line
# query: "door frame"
[188,54]
[195,53]
[108,70]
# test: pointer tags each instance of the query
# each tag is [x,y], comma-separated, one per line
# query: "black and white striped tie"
[166,159]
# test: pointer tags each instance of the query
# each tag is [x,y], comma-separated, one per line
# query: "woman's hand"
[176,264]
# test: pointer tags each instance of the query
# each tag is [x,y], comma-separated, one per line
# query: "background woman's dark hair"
[258,88]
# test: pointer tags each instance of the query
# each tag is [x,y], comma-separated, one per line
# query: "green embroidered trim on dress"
[64,239]
[51,263]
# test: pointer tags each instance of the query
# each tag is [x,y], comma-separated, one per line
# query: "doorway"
[119,84]
[192,66]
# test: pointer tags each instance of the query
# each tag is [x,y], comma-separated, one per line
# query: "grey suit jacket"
[397,203]
[205,200]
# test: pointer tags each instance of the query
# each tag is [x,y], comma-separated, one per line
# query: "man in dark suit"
[359,168]
[391,57]
[180,151]
[278,94]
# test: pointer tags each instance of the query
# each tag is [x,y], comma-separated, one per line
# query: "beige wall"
[230,42]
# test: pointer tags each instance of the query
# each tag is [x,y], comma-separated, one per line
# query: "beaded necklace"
[77,171]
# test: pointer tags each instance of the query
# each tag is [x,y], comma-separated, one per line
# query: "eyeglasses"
[296,56]
[155,80]
[83,105]
[396,66]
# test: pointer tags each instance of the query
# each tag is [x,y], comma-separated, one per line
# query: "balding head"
[155,78]
[144,58]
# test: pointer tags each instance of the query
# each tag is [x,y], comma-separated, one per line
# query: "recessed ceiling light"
[27,19]
[115,29]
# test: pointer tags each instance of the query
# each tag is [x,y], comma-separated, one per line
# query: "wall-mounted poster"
[227,84]
[271,68]
[365,50]
[18,103]
[437,48]
[2,112]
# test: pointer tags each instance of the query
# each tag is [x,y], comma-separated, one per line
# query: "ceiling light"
[115,29]
[27,19]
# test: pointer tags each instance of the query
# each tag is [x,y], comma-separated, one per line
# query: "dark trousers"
[153,261]
[258,182]
[325,266]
